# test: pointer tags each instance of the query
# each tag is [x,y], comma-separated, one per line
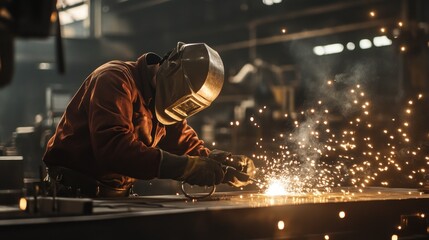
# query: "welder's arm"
[195,170]
[239,169]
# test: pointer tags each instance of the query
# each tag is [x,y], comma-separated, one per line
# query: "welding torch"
[241,176]
[230,173]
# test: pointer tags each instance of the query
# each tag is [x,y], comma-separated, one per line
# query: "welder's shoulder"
[115,66]
[115,70]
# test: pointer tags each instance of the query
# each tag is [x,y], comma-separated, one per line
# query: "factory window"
[74,18]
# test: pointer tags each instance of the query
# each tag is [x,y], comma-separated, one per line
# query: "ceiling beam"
[303,35]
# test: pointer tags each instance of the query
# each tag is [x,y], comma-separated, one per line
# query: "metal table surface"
[375,213]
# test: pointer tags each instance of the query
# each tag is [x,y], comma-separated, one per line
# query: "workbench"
[374,213]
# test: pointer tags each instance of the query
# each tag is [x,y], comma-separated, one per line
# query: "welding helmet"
[188,81]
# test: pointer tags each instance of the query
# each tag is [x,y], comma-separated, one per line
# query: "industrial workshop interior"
[218,119]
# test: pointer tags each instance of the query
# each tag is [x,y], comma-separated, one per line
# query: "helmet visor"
[187,82]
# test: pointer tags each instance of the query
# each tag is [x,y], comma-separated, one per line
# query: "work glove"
[239,169]
[195,170]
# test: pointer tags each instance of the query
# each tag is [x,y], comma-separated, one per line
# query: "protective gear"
[195,170]
[105,94]
[239,169]
[188,81]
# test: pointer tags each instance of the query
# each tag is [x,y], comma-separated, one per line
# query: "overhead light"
[79,13]
[333,48]
[70,13]
[328,49]
[72,2]
[365,44]
[381,41]
[267,2]
[45,66]
[271,2]
[350,46]
[378,41]
[65,18]
[319,50]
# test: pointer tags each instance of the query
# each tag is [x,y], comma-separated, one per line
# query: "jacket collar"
[147,66]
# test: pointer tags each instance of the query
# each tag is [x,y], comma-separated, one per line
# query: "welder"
[128,121]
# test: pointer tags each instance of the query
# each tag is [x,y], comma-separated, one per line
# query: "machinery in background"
[11,183]
[20,158]
[30,141]
[27,146]
[57,98]
[281,82]
[262,91]
[20,162]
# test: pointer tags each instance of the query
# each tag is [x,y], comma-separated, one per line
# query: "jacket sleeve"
[110,113]
[182,139]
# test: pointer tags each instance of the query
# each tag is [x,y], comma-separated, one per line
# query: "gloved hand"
[195,170]
[243,168]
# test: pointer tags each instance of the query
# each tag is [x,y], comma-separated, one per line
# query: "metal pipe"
[301,35]
[232,26]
